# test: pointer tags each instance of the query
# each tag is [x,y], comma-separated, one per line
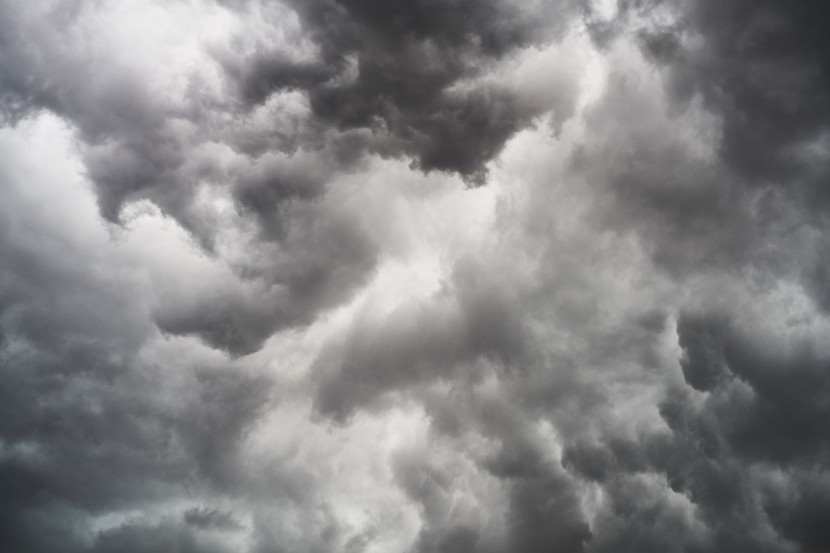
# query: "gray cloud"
[470,319]
[400,69]
[136,146]
[246,303]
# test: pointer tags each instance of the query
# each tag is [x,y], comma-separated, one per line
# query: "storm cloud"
[449,276]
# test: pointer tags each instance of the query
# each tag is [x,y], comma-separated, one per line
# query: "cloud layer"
[457,276]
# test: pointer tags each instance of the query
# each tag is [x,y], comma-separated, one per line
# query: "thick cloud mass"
[421,276]
[406,70]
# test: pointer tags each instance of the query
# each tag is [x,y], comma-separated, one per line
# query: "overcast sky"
[428,276]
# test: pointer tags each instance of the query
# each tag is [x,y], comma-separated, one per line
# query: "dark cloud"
[729,458]
[204,517]
[762,67]
[545,510]
[721,184]
[729,174]
[407,71]
[781,420]
[141,538]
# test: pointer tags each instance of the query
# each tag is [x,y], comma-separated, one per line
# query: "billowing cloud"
[458,276]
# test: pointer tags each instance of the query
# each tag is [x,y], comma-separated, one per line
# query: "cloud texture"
[421,276]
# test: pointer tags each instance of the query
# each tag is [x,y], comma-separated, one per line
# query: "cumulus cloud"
[478,276]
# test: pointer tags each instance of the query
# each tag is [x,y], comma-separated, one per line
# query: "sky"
[427,276]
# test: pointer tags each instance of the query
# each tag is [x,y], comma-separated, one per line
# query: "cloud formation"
[457,276]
